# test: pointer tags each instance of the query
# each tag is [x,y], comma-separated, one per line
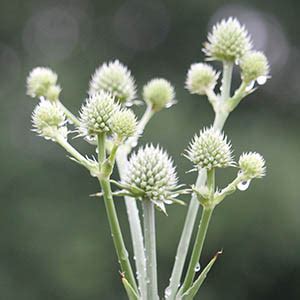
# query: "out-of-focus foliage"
[55,241]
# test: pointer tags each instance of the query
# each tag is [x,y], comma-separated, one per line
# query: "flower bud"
[210,150]
[152,171]
[254,64]
[159,93]
[228,41]
[96,114]
[252,165]
[114,78]
[124,123]
[49,120]
[39,81]
[201,78]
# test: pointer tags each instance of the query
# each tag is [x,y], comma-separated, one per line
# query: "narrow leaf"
[129,290]
[192,291]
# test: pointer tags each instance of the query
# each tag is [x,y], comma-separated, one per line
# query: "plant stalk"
[72,118]
[113,218]
[201,234]
[135,228]
[150,249]
[182,250]
[202,230]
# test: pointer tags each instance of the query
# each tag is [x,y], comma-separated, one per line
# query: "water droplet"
[250,86]
[261,80]
[197,268]
[167,292]
[243,185]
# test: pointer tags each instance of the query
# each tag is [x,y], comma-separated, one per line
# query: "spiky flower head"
[210,150]
[49,120]
[39,81]
[159,93]
[96,114]
[252,165]
[152,172]
[254,64]
[228,41]
[124,123]
[201,78]
[114,78]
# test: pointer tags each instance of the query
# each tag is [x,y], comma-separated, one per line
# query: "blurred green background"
[54,239]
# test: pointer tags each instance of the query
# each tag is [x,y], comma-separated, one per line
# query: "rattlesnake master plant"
[149,175]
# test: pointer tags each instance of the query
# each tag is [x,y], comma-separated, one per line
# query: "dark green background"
[54,239]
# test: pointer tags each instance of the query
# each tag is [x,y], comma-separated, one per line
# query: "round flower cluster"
[152,171]
[252,165]
[159,93]
[201,77]
[228,41]
[96,114]
[254,65]
[124,123]
[116,79]
[41,82]
[49,120]
[210,150]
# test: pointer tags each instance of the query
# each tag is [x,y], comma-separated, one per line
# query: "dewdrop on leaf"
[228,41]
[159,93]
[96,114]
[114,78]
[210,150]
[201,78]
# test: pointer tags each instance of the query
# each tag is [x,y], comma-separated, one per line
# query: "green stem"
[72,151]
[150,249]
[201,234]
[113,218]
[101,148]
[116,233]
[69,115]
[226,80]
[182,250]
[135,227]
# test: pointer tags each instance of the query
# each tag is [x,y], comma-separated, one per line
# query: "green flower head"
[210,150]
[159,93]
[228,41]
[116,79]
[96,114]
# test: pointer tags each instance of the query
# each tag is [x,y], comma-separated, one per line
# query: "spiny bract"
[210,150]
[39,81]
[48,120]
[228,41]
[96,114]
[252,165]
[124,123]
[201,77]
[159,93]
[152,171]
[115,78]
[253,65]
